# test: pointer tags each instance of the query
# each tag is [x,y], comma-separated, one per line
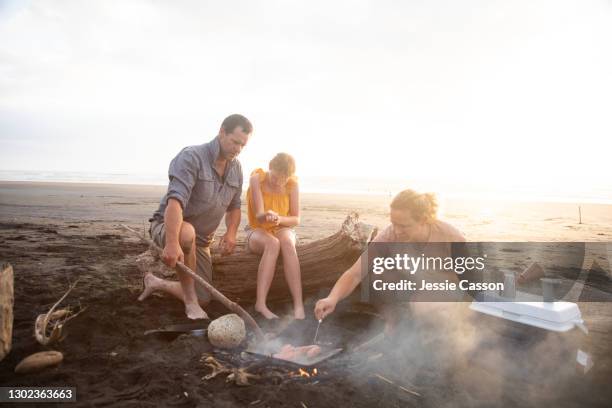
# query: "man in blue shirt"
[205,184]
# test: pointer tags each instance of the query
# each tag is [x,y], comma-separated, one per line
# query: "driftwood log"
[322,261]
[6,309]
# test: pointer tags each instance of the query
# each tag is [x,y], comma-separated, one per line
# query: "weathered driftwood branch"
[6,309]
[234,307]
[57,319]
[322,261]
[237,375]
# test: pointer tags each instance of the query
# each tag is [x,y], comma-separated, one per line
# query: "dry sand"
[54,233]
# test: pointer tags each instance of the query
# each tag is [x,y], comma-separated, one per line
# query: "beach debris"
[7,300]
[239,376]
[48,327]
[227,331]
[39,361]
[216,366]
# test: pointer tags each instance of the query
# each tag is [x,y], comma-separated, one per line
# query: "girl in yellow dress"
[273,202]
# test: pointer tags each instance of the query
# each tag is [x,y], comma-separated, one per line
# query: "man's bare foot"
[265,312]
[149,281]
[195,312]
[298,313]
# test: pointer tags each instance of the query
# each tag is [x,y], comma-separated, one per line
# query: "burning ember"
[304,373]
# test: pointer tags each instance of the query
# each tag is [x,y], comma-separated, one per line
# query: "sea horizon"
[327,185]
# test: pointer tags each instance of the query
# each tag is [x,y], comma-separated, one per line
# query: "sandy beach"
[100,206]
[55,233]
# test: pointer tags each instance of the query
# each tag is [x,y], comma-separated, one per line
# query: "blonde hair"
[423,207]
[284,164]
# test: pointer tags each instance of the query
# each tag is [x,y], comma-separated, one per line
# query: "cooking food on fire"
[289,352]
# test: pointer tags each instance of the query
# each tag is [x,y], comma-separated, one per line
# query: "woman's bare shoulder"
[448,232]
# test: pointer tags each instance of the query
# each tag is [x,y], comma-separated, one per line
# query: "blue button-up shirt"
[204,195]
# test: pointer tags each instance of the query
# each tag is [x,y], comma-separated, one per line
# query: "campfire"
[275,360]
[243,370]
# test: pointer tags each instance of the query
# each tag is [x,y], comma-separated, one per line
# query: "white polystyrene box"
[557,316]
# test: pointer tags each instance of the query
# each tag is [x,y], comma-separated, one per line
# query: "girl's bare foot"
[265,312]
[298,313]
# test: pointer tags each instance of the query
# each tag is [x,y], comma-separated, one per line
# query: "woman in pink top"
[413,218]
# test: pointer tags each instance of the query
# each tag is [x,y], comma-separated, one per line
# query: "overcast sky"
[496,92]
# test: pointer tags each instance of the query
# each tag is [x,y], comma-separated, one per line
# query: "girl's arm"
[257,198]
[293,219]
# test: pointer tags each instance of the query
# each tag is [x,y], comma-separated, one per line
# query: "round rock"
[227,331]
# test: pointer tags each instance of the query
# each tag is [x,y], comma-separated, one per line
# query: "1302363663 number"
[40,394]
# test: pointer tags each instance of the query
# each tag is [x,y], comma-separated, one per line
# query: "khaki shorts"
[157,230]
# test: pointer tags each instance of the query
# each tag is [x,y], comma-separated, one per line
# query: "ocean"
[344,185]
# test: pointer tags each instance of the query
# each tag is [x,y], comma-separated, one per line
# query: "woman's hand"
[324,307]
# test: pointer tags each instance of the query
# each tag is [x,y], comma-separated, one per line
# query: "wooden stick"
[233,306]
[398,386]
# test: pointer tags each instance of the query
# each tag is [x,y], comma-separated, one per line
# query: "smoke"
[457,357]
[448,353]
